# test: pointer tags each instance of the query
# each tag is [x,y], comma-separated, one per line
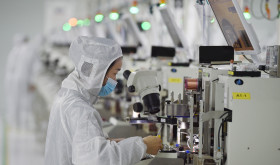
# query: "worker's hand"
[153,144]
[116,140]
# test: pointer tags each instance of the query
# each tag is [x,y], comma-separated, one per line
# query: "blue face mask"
[108,88]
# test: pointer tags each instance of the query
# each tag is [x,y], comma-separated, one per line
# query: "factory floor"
[161,161]
[20,145]
[2,138]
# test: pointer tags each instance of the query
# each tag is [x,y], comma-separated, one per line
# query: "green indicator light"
[134,10]
[66,27]
[80,23]
[114,16]
[212,20]
[145,25]
[86,22]
[247,15]
[162,4]
[98,18]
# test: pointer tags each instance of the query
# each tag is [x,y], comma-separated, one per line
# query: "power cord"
[265,72]
[266,17]
[253,13]
[249,60]
[222,123]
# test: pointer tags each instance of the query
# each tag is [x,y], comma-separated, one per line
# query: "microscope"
[176,117]
[147,86]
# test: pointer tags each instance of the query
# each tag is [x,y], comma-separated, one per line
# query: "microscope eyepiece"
[126,74]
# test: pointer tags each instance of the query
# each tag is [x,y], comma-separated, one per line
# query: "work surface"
[161,161]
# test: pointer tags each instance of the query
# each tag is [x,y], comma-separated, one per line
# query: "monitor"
[129,49]
[131,24]
[160,51]
[237,32]
[208,54]
[174,31]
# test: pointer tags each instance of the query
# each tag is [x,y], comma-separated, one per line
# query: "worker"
[21,70]
[75,134]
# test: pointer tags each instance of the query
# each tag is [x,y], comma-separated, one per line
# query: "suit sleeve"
[89,145]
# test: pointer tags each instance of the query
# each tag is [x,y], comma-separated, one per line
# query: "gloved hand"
[153,144]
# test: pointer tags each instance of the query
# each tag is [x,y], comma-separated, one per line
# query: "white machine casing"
[253,135]
[145,82]
[174,80]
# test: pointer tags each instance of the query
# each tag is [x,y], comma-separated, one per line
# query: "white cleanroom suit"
[75,134]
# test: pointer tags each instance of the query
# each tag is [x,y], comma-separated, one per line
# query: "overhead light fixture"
[73,22]
[267,9]
[134,8]
[86,22]
[162,3]
[66,27]
[80,22]
[246,13]
[98,17]
[114,15]
[145,25]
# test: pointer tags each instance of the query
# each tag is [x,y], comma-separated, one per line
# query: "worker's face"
[113,71]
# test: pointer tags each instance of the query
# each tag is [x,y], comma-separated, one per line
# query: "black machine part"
[119,87]
[131,88]
[129,49]
[152,102]
[126,74]
[138,107]
[159,51]
[166,120]
[208,54]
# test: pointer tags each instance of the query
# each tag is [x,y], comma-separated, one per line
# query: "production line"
[196,107]
[108,93]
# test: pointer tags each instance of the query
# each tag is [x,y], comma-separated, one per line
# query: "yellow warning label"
[175,80]
[231,73]
[243,96]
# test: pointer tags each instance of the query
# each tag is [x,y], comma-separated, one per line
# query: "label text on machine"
[175,80]
[242,96]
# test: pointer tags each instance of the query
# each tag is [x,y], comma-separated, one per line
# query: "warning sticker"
[230,73]
[175,80]
[242,96]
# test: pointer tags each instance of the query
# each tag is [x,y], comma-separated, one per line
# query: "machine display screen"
[231,25]
[170,24]
[160,51]
[129,49]
[134,30]
[208,54]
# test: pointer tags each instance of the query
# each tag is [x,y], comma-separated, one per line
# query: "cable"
[261,8]
[223,121]
[159,130]
[249,60]
[265,72]
[188,143]
[278,7]
[224,114]
[217,79]
[253,13]
[219,133]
